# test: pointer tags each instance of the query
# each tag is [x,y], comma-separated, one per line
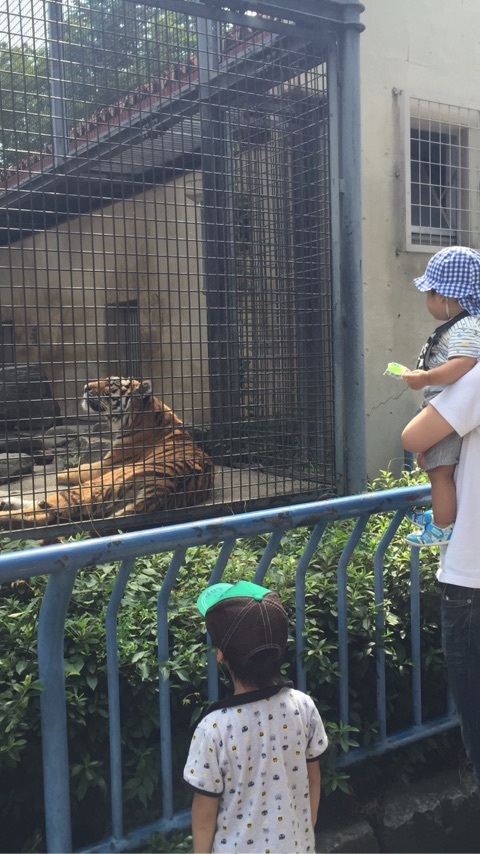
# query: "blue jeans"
[461,647]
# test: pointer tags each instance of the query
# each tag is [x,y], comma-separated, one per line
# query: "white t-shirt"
[459,404]
[252,754]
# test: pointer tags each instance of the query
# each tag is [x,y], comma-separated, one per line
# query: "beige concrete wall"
[55,286]
[425,49]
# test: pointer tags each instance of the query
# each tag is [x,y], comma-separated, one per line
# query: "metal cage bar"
[170,210]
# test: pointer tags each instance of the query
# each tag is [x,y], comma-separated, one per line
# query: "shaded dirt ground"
[440,813]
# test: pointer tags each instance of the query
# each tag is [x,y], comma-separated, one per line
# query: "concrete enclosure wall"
[409,50]
[57,285]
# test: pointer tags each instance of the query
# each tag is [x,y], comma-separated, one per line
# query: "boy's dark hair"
[261,669]
[251,633]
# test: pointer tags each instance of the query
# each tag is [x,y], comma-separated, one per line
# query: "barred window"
[443,175]
[434,186]
[123,339]
[7,343]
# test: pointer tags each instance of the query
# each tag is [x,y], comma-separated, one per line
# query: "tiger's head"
[121,399]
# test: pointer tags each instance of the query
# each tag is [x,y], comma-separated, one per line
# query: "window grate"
[7,343]
[123,340]
[444,175]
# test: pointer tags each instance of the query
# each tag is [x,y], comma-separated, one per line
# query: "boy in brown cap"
[254,758]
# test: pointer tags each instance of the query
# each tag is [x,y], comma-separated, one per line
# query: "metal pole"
[111,629]
[164,681]
[351,255]
[300,575]
[336,254]
[51,668]
[220,293]
[57,82]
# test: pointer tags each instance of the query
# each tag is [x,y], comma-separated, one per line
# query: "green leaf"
[92,681]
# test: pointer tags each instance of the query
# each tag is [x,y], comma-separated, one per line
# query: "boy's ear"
[220,656]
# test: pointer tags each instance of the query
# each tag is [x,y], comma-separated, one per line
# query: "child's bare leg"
[444,495]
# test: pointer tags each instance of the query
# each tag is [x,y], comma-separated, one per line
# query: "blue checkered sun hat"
[454,272]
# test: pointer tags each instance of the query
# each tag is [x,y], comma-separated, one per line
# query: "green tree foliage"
[24,101]
[113,48]
[110,48]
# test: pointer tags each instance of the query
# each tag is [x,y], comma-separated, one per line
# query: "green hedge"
[21,799]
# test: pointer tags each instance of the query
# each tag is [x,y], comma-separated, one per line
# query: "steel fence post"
[351,255]
[51,668]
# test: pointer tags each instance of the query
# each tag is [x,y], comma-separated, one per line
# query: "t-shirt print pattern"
[253,756]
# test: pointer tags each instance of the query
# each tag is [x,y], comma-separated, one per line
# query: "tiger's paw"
[69,477]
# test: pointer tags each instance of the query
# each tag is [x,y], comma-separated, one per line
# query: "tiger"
[153,465]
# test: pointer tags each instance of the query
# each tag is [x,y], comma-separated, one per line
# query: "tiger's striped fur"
[153,465]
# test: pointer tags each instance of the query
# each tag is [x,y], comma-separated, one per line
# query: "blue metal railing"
[62,562]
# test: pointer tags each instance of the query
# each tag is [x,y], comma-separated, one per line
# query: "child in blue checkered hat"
[452,284]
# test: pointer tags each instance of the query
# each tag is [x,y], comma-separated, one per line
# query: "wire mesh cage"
[165,255]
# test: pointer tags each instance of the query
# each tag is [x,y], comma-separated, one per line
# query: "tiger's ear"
[145,389]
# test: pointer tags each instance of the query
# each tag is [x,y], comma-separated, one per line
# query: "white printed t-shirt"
[459,404]
[251,751]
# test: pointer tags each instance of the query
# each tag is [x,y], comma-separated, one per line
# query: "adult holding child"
[451,283]
[457,409]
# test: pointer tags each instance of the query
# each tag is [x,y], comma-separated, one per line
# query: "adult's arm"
[456,408]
